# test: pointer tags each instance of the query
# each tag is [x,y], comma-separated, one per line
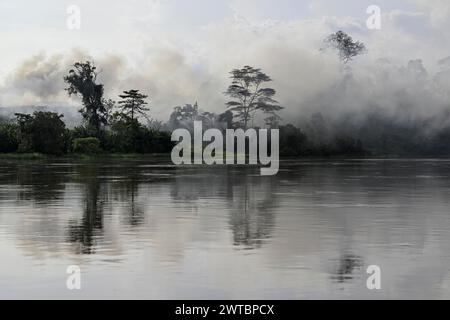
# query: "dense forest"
[125,126]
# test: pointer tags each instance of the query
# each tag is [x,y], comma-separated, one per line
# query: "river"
[145,229]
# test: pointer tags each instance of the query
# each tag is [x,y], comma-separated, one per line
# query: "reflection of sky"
[309,232]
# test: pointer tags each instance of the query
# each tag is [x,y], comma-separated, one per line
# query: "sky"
[180,51]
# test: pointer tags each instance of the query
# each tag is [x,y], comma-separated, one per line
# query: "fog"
[405,75]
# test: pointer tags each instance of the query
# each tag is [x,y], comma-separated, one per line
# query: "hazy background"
[181,51]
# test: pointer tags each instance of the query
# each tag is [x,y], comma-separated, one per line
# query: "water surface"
[148,230]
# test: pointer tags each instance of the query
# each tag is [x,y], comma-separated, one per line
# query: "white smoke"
[403,67]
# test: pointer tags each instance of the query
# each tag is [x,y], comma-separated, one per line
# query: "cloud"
[39,79]
[177,59]
[437,10]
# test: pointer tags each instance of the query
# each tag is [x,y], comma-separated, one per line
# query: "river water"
[148,230]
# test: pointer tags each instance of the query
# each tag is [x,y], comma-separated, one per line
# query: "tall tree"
[110,105]
[133,103]
[248,94]
[82,81]
[345,45]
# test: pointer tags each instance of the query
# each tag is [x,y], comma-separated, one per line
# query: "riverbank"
[124,156]
[40,156]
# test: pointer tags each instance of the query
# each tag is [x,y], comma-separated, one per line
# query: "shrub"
[130,136]
[8,137]
[293,142]
[42,132]
[86,145]
[161,142]
[345,145]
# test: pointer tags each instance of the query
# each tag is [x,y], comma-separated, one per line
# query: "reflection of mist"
[348,264]
[136,214]
[102,186]
[250,199]
[38,182]
[253,207]
[85,231]
[126,190]
[316,225]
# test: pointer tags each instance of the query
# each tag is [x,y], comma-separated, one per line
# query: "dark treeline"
[107,127]
[125,126]
[376,134]
[46,133]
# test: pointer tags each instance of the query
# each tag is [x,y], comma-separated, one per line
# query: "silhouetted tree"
[227,119]
[43,132]
[293,142]
[248,95]
[133,103]
[186,115]
[125,134]
[109,108]
[188,112]
[154,124]
[24,135]
[345,45]
[208,119]
[82,81]
[8,137]
[84,232]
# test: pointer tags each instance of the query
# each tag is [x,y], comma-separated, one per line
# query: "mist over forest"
[368,103]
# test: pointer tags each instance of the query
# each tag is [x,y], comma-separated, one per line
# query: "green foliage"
[346,145]
[161,141]
[184,117]
[128,135]
[80,132]
[188,112]
[133,104]
[82,81]
[25,132]
[42,132]
[248,94]
[227,119]
[296,143]
[86,145]
[124,134]
[345,45]
[8,137]
[293,142]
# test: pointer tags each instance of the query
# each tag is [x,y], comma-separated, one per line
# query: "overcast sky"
[180,51]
